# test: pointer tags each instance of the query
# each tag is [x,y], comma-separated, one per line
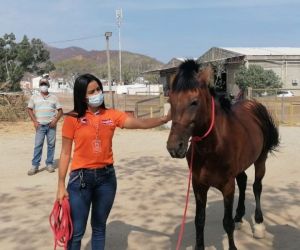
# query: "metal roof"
[274,51]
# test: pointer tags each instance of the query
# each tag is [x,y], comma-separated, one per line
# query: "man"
[44,110]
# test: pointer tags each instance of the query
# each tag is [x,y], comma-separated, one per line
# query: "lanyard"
[96,143]
[96,127]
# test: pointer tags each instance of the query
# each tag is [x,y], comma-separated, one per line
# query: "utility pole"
[6,52]
[107,36]
[119,16]
[7,71]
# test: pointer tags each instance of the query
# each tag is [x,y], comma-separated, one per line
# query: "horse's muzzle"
[178,150]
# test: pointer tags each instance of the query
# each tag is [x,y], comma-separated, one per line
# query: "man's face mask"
[44,88]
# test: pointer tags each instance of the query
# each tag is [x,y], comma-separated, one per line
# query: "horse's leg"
[260,169]
[201,198]
[228,222]
[241,180]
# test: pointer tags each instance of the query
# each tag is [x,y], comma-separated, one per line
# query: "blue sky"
[157,28]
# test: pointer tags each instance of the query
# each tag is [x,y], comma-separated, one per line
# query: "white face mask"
[44,88]
[95,100]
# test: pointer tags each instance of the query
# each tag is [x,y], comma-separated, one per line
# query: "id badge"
[96,146]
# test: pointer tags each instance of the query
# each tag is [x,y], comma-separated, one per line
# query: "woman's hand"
[136,123]
[61,193]
[167,117]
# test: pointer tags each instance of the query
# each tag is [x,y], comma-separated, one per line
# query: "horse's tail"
[267,124]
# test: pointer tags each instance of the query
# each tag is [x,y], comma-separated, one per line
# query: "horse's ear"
[205,75]
[172,78]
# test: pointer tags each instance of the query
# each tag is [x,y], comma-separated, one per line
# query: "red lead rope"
[61,223]
[193,141]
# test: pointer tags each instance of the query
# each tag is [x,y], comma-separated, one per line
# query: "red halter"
[193,140]
[199,138]
[61,223]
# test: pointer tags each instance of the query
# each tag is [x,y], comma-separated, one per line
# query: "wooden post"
[291,113]
[249,93]
[136,110]
[161,101]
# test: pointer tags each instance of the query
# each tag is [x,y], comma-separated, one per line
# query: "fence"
[138,105]
[13,106]
[285,108]
[142,106]
[284,104]
[150,107]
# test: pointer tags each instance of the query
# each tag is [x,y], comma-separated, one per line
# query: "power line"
[59,41]
[75,39]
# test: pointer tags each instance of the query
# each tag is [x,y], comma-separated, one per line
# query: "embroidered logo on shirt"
[107,122]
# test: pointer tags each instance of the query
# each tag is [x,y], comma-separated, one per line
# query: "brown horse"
[235,136]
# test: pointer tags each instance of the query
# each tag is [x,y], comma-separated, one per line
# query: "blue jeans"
[41,132]
[96,187]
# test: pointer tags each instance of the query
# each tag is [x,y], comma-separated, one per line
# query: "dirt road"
[150,198]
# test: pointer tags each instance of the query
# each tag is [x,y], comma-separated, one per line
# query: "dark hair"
[44,80]
[79,93]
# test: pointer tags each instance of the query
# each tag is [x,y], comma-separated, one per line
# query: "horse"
[226,139]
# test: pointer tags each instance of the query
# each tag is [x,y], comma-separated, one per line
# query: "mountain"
[72,61]
[57,54]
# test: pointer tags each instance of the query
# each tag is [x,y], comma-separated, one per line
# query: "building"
[167,72]
[284,61]
[56,85]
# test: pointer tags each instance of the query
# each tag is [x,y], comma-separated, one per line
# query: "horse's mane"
[223,99]
[188,77]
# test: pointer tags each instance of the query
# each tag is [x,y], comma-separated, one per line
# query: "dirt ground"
[150,199]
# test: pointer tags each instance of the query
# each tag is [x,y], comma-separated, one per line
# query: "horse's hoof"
[199,248]
[238,225]
[259,231]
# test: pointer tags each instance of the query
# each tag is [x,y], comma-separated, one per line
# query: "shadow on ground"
[153,208]
[168,187]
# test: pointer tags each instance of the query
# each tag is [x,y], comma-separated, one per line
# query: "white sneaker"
[50,168]
[32,171]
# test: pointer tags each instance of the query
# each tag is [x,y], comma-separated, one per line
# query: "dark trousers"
[96,187]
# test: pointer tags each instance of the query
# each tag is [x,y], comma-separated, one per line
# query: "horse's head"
[190,102]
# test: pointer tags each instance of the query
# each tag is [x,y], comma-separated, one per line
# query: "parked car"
[285,93]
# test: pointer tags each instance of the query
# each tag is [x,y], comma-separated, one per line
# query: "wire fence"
[284,104]
[138,105]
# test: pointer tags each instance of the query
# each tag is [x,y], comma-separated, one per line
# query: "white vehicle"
[122,89]
[285,93]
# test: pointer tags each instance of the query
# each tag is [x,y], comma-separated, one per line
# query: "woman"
[92,179]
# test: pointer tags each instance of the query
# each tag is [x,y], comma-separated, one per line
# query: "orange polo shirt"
[92,135]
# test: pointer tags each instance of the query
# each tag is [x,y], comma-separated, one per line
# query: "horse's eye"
[194,103]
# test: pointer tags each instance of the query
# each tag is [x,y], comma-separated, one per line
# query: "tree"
[18,58]
[256,77]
